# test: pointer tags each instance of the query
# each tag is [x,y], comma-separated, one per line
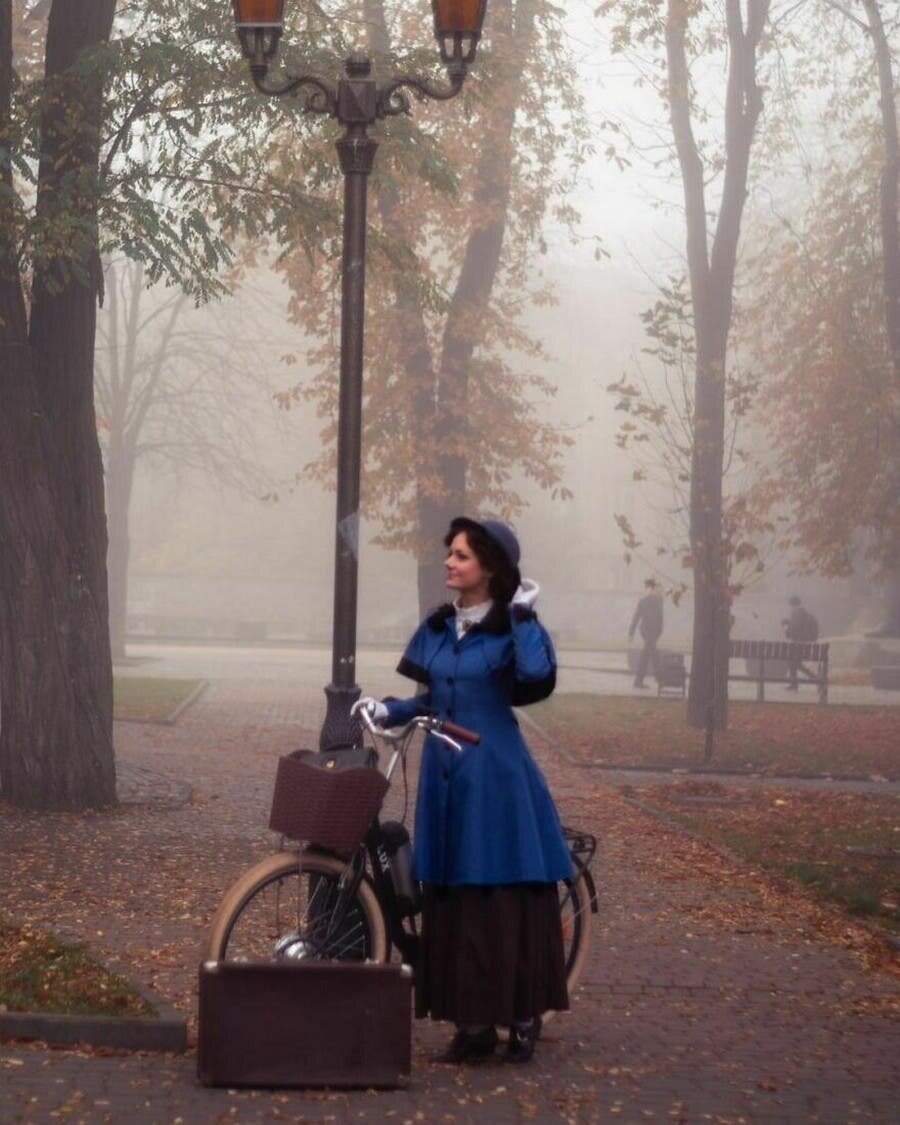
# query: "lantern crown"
[457,28]
[259,24]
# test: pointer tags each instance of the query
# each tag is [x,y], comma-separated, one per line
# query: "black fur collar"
[497,621]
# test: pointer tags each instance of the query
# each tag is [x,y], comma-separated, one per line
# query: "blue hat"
[502,535]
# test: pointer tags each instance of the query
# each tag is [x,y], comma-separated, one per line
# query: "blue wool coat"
[484,816]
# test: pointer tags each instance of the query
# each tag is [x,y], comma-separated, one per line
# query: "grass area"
[39,973]
[851,677]
[762,737]
[148,698]
[843,846]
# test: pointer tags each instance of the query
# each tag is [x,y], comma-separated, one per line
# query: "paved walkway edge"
[705,772]
[889,939]
[189,702]
[171,719]
[165,1033]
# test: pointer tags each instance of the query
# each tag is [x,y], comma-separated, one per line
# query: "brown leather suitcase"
[316,1023]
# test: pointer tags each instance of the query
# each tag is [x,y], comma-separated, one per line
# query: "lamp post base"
[341,730]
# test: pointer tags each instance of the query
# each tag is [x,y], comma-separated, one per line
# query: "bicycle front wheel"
[296,906]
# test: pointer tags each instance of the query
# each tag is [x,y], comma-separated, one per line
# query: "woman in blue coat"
[488,844]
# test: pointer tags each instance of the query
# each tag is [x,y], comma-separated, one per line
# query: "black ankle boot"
[522,1041]
[467,1045]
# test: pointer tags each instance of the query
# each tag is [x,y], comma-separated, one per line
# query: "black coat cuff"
[413,671]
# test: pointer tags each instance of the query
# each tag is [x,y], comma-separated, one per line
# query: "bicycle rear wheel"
[575,915]
[295,906]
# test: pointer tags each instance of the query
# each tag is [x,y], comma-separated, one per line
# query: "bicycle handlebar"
[445,729]
[462,733]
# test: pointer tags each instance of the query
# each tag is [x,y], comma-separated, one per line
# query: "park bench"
[767,662]
[886,677]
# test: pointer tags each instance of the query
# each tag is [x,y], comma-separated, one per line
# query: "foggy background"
[212,560]
[209,561]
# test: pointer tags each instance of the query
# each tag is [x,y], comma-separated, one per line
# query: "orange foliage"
[458,199]
[831,404]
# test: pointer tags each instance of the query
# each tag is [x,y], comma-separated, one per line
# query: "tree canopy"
[830,399]
[462,194]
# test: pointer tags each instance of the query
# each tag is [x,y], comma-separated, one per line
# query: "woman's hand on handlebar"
[371,713]
[371,708]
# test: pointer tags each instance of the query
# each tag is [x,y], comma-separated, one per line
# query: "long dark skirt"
[490,955]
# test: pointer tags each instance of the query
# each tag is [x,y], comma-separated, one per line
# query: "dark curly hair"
[505,578]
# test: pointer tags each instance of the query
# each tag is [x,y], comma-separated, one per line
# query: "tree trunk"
[439,397]
[512,32]
[56,746]
[892,616]
[119,479]
[417,361]
[708,690]
[711,273]
[128,391]
[890,231]
[55,749]
[890,244]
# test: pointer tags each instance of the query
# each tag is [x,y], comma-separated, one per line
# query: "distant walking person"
[802,627]
[649,617]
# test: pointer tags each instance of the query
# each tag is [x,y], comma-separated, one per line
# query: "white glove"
[376,711]
[527,593]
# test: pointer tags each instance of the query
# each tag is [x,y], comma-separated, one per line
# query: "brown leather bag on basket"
[327,799]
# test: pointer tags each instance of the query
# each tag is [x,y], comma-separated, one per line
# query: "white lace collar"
[467,616]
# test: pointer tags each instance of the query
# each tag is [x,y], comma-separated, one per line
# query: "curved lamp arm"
[393,99]
[319,96]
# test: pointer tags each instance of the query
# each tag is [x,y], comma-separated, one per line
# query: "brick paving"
[710,994]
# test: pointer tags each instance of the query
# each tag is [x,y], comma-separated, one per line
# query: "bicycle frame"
[372,861]
[374,847]
[405,940]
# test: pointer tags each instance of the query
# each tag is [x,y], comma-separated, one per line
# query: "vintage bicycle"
[347,892]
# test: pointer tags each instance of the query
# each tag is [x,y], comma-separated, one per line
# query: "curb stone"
[565,754]
[163,1033]
[189,701]
[673,822]
[172,718]
[752,775]
[166,1032]
[887,785]
[136,785]
[892,941]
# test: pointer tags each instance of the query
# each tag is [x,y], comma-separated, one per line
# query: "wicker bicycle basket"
[329,807]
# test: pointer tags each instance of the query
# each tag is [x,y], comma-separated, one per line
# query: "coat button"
[449,679]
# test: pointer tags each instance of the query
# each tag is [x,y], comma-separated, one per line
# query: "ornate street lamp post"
[357,101]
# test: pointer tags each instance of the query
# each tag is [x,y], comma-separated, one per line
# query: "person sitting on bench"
[803,628]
